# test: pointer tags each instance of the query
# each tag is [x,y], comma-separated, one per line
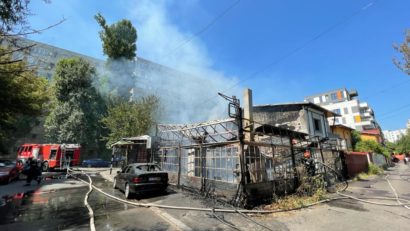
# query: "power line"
[209,25]
[387,89]
[395,111]
[297,49]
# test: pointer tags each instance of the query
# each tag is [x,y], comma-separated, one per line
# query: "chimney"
[248,114]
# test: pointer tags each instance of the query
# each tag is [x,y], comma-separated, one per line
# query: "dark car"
[139,178]
[8,171]
[96,163]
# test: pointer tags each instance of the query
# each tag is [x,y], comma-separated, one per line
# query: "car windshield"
[148,167]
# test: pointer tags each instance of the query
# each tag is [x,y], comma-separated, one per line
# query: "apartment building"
[354,114]
[394,135]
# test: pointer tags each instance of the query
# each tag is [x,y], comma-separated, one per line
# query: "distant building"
[394,135]
[151,78]
[354,114]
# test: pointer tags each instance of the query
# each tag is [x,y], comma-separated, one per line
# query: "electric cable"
[202,30]
[295,50]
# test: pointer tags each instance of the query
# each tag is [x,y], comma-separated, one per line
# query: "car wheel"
[127,192]
[89,165]
[9,179]
[114,185]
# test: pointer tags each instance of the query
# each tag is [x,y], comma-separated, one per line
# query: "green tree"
[404,49]
[356,138]
[403,145]
[119,39]
[129,118]
[22,94]
[370,146]
[119,44]
[77,106]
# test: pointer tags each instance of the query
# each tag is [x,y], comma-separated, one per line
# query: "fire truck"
[52,156]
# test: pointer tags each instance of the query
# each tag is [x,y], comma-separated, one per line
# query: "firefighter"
[33,171]
[309,163]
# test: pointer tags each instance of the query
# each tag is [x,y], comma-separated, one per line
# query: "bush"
[374,169]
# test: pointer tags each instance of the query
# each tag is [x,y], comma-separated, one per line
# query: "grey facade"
[300,117]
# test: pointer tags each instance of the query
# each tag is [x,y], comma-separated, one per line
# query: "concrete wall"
[289,115]
[378,159]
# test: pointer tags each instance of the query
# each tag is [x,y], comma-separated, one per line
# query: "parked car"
[8,171]
[96,163]
[139,178]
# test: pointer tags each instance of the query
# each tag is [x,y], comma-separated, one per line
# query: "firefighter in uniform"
[309,163]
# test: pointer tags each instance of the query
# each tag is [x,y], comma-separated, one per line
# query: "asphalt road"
[57,204]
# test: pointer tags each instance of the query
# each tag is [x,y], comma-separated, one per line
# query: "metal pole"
[295,173]
[179,165]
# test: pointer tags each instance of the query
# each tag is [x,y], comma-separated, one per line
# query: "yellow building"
[344,133]
[373,134]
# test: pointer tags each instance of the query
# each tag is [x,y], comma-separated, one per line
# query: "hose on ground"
[90,210]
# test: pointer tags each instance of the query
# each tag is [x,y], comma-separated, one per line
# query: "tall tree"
[129,118]
[75,114]
[119,39]
[404,49]
[403,145]
[119,44]
[22,93]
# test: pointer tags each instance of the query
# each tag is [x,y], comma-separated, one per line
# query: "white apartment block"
[395,135]
[354,114]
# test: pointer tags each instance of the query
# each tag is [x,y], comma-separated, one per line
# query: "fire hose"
[239,211]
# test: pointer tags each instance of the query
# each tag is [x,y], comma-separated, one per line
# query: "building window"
[337,111]
[355,109]
[346,110]
[317,125]
[343,120]
[357,119]
[333,96]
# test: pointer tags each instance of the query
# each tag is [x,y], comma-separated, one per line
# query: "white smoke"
[189,94]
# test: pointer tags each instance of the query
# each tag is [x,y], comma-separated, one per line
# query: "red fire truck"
[52,156]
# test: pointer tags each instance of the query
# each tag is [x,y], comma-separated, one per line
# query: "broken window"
[317,125]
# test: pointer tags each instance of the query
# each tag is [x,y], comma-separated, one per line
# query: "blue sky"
[313,46]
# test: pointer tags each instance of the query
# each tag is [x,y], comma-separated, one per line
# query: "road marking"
[177,223]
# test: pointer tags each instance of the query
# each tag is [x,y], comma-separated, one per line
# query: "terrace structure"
[238,159]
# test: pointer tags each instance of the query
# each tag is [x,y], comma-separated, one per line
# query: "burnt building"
[251,156]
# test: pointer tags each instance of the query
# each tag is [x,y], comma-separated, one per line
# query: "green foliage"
[403,145]
[125,119]
[391,147]
[119,39]
[374,169]
[404,49]
[370,146]
[12,14]
[22,94]
[77,106]
[355,137]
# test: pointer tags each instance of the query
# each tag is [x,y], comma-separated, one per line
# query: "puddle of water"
[51,210]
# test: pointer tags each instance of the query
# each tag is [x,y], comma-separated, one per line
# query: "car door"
[128,175]
[121,178]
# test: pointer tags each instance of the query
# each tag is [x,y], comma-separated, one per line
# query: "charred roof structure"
[239,159]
